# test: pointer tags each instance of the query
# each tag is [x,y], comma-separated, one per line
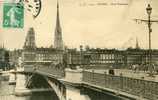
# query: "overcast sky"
[87,22]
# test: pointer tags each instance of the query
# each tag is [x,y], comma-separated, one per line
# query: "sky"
[96,23]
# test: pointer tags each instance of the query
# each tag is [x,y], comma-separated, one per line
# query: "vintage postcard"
[78,50]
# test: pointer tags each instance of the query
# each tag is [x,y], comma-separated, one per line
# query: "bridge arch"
[46,82]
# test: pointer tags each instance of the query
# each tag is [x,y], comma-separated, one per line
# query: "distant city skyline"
[98,25]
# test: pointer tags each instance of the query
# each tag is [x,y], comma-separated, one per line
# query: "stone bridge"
[47,75]
[122,87]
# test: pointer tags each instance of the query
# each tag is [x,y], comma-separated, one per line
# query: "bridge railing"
[47,70]
[138,87]
[51,71]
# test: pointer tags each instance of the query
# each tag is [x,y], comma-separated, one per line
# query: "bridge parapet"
[138,87]
[73,76]
[45,70]
[51,71]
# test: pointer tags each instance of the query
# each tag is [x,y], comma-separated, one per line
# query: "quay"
[133,88]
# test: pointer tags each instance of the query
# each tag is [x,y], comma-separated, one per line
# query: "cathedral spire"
[137,44]
[58,42]
[58,19]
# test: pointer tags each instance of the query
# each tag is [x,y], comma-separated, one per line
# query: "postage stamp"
[13,15]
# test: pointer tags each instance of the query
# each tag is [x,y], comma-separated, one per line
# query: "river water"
[7,93]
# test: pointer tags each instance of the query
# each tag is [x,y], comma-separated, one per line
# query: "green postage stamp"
[13,15]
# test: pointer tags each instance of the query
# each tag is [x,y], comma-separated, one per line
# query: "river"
[7,93]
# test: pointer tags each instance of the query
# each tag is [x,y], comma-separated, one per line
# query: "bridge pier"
[20,88]
[23,81]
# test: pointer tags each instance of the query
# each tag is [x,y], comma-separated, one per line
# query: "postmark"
[13,15]
[33,6]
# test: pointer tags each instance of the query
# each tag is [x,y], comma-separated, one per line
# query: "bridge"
[120,85]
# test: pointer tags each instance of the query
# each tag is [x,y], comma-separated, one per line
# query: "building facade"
[40,56]
[33,55]
[14,57]
[73,57]
[4,59]
[110,57]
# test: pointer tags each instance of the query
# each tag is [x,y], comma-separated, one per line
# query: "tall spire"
[58,19]
[137,44]
[58,42]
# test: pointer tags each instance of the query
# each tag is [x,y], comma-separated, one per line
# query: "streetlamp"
[149,21]
[149,10]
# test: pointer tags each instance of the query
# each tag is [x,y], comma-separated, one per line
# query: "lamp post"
[149,21]
[149,10]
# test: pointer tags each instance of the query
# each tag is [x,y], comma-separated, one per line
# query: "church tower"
[30,39]
[58,42]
